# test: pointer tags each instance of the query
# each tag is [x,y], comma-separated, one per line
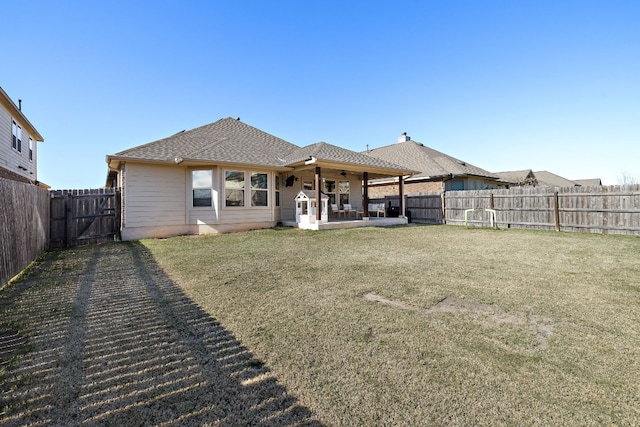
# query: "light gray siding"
[10,158]
[154,195]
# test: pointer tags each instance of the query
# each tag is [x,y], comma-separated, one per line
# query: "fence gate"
[81,217]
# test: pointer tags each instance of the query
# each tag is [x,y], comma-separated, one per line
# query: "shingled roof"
[224,141]
[523,177]
[549,179]
[431,163]
[230,141]
[325,152]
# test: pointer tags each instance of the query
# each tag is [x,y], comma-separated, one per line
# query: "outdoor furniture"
[335,209]
[347,209]
[377,208]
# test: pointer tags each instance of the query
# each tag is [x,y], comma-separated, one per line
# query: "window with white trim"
[259,189]
[329,188]
[277,190]
[30,148]
[234,188]
[16,140]
[201,184]
[343,190]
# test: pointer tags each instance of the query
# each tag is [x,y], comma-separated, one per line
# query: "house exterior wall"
[10,158]
[288,194]
[157,202]
[154,200]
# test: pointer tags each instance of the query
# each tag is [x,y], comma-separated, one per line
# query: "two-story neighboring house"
[18,143]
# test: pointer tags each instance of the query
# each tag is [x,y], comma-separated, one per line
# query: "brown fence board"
[80,217]
[598,209]
[24,226]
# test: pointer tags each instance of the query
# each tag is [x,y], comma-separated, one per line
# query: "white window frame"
[203,187]
[243,189]
[256,190]
[16,136]
[247,188]
[346,193]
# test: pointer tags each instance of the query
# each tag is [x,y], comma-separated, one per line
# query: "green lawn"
[430,325]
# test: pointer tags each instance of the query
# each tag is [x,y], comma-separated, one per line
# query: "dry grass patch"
[430,325]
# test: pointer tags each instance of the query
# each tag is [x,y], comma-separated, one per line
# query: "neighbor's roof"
[588,182]
[328,155]
[549,179]
[224,141]
[522,177]
[20,117]
[431,163]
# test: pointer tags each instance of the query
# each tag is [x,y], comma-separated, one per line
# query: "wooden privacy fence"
[80,217]
[24,226]
[601,209]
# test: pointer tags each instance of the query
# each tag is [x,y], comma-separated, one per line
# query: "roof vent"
[404,138]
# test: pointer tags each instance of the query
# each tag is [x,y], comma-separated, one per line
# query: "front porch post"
[318,195]
[401,191]
[365,195]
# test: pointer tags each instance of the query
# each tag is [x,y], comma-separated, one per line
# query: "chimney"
[20,104]
[404,138]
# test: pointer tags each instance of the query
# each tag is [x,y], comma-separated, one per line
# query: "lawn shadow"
[117,342]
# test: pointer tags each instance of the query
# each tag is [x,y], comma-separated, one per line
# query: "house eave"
[16,112]
[373,171]
[114,163]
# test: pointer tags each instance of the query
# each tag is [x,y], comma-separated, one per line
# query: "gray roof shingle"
[549,179]
[431,163]
[232,141]
[331,153]
[522,177]
[227,140]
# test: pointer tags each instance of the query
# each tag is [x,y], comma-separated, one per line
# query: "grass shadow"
[114,341]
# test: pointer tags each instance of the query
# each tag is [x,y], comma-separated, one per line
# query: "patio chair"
[336,210]
[348,209]
[377,208]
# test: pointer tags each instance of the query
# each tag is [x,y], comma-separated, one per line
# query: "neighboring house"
[437,171]
[548,179]
[518,178]
[593,182]
[18,143]
[542,178]
[229,176]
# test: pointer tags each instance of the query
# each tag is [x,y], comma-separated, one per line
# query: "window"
[329,188]
[30,149]
[277,190]
[16,141]
[455,184]
[201,182]
[234,188]
[259,189]
[343,189]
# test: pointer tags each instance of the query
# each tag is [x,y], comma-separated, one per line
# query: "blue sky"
[503,85]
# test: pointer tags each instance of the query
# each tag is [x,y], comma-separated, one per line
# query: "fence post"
[68,229]
[556,209]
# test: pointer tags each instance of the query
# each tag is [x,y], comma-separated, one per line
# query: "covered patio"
[318,173]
